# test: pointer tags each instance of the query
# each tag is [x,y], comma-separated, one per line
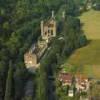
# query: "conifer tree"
[9,84]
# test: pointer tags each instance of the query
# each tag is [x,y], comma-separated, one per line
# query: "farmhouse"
[65,78]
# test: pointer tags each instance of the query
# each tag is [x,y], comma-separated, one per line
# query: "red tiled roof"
[81,79]
[65,77]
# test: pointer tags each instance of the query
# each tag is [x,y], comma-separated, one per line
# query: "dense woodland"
[19,28]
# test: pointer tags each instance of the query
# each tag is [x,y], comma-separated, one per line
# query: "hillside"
[19,30]
[89,54]
[88,58]
[91,24]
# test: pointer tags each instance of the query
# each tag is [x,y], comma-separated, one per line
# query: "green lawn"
[87,58]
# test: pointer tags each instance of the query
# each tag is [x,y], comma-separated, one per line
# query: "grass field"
[88,55]
[87,58]
[91,24]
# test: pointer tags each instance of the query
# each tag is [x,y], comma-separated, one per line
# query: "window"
[51,32]
[45,33]
[48,31]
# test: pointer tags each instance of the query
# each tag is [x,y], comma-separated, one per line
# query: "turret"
[53,16]
[42,28]
[63,14]
[48,28]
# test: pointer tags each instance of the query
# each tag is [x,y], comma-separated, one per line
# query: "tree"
[9,84]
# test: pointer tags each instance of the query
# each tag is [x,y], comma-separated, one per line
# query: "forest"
[19,29]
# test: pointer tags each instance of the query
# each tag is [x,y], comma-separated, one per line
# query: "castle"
[48,31]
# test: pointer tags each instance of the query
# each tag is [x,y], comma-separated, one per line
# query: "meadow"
[87,58]
[91,24]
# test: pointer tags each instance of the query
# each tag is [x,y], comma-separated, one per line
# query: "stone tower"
[63,14]
[48,28]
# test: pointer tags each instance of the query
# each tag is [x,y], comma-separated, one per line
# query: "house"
[65,78]
[82,83]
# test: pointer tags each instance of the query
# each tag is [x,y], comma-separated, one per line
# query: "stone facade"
[30,61]
[48,29]
[32,57]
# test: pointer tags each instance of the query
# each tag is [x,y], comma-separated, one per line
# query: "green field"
[87,58]
[88,55]
[91,24]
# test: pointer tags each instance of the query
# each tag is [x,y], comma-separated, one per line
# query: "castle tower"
[63,14]
[53,16]
[42,28]
[48,28]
